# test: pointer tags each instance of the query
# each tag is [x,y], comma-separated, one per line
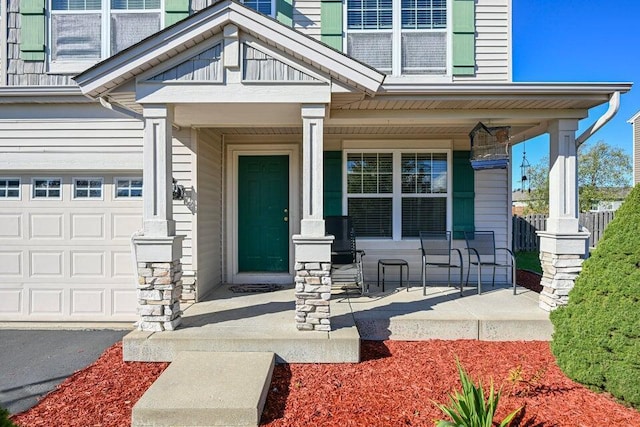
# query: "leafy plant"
[472,408]
[4,418]
[596,340]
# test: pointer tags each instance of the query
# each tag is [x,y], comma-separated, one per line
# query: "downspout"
[614,105]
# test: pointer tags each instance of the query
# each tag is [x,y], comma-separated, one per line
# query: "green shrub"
[4,418]
[597,335]
[472,408]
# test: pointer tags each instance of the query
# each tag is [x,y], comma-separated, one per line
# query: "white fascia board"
[501,89]
[203,93]
[633,119]
[152,51]
[42,94]
[123,66]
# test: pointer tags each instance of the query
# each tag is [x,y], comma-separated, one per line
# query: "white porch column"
[312,247]
[312,173]
[157,179]
[563,246]
[158,250]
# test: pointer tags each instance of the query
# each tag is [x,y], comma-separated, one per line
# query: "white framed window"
[128,188]
[46,188]
[89,188]
[395,194]
[83,32]
[266,7]
[398,37]
[10,188]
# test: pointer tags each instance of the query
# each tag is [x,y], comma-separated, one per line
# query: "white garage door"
[65,246]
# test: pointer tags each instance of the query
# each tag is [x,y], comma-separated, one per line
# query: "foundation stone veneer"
[159,292]
[313,292]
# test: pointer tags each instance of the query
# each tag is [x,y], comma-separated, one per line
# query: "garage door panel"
[87,226]
[124,302]
[11,226]
[11,263]
[68,259]
[124,225]
[46,263]
[47,226]
[11,300]
[122,265]
[88,264]
[87,302]
[46,301]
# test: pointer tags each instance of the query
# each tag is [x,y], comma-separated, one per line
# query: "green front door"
[263,213]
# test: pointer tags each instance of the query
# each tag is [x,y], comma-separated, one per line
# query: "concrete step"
[418,329]
[208,389]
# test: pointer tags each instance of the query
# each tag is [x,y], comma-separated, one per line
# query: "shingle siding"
[26,73]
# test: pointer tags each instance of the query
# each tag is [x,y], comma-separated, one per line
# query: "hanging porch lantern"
[489,147]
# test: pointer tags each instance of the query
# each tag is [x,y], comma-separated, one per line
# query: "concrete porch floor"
[264,322]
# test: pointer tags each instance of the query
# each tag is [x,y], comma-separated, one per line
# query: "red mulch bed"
[529,280]
[100,395]
[394,385]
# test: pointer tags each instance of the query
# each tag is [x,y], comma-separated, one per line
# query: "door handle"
[285,219]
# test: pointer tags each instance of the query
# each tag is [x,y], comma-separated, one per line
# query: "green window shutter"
[332,183]
[174,11]
[32,32]
[284,12]
[331,23]
[464,38]
[463,194]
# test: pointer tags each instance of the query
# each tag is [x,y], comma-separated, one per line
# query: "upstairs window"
[84,32]
[399,36]
[263,6]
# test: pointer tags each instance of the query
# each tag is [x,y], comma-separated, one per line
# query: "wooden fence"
[525,227]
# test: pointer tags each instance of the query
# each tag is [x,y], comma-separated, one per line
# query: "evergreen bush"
[4,418]
[597,334]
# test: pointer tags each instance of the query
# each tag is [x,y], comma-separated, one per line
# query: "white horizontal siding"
[183,160]
[493,41]
[209,224]
[492,209]
[306,17]
[48,137]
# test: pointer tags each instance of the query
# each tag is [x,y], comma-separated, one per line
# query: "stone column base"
[159,282]
[313,283]
[561,257]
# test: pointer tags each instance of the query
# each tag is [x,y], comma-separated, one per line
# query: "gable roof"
[209,22]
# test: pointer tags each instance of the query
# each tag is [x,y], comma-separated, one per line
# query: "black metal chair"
[437,252]
[482,252]
[346,259]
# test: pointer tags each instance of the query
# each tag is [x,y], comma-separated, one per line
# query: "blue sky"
[578,41]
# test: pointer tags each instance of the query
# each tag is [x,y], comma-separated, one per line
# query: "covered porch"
[256,107]
[230,322]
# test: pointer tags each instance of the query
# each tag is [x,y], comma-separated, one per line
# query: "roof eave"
[104,76]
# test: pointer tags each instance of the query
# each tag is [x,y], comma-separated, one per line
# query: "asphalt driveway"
[33,362]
